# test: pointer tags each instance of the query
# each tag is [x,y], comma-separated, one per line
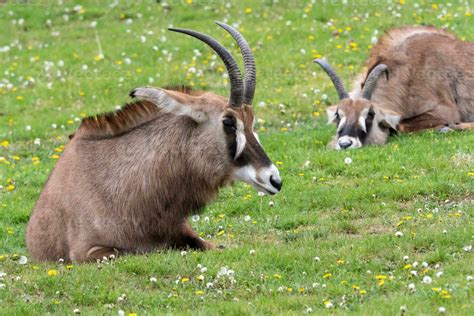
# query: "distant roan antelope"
[127,181]
[428,83]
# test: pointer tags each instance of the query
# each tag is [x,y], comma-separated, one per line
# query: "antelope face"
[354,121]
[359,121]
[251,163]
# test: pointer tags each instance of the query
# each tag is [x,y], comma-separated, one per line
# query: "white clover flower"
[328,304]
[252,252]
[121,313]
[76,311]
[184,253]
[209,285]
[347,160]
[271,203]
[403,308]
[37,141]
[439,274]
[406,258]
[28,127]
[414,273]
[399,234]
[23,260]
[317,259]
[247,218]
[2,286]
[441,310]
[153,280]
[412,286]
[427,279]
[308,310]
[467,248]
[261,193]
[469,278]
[424,264]
[195,218]
[93,24]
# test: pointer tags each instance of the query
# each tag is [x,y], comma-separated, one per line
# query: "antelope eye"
[229,124]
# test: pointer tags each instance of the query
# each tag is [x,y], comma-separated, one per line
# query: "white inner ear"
[331,112]
[240,139]
[162,100]
[390,119]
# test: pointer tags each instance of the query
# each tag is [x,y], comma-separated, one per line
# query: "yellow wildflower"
[52,272]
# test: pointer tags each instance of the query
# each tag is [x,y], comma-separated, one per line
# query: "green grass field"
[329,243]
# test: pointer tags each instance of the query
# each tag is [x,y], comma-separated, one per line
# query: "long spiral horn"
[250,78]
[235,77]
[334,78]
[371,81]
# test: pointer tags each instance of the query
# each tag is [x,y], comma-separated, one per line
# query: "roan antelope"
[428,83]
[127,181]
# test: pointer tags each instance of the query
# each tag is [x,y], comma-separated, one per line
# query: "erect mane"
[123,120]
[127,118]
[184,89]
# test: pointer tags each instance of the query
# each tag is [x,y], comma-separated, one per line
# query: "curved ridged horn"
[334,78]
[235,77]
[371,81]
[250,78]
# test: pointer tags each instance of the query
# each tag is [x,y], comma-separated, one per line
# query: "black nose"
[345,143]
[276,184]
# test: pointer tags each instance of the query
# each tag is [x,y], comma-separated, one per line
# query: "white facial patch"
[261,180]
[257,138]
[161,99]
[240,139]
[362,118]
[341,124]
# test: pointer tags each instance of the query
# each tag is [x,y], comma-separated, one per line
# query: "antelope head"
[227,123]
[359,121]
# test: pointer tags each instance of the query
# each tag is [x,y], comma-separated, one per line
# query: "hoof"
[445,129]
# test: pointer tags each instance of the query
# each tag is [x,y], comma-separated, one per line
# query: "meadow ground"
[389,232]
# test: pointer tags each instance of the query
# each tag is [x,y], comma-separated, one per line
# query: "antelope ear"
[389,119]
[171,102]
[331,112]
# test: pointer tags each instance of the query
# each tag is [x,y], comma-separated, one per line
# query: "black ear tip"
[132,93]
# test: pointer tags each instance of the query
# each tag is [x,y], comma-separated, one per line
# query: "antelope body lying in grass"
[428,83]
[128,180]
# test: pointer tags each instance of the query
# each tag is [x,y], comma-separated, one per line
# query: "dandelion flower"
[52,272]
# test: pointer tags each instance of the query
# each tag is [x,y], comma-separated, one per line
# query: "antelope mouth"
[264,188]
